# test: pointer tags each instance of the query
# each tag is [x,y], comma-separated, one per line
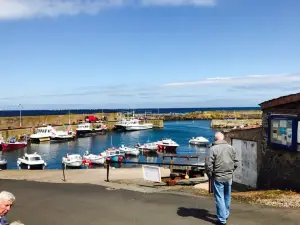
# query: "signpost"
[152,173]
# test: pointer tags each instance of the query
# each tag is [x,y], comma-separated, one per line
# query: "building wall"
[248,160]
[280,168]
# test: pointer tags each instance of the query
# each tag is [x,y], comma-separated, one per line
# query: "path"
[76,204]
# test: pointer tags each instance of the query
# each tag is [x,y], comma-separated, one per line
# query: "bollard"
[63,169]
[107,170]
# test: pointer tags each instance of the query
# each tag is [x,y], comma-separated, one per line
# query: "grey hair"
[17,223]
[7,196]
[219,136]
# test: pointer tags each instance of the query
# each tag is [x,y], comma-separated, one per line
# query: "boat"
[198,141]
[130,151]
[113,154]
[72,160]
[3,163]
[89,129]
[14,143]
[167,145]
[132,125]
[92,158]
[62,135]
[31,161]
[43,134]
[148,147]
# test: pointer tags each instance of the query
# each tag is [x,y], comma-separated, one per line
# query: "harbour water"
[179,131]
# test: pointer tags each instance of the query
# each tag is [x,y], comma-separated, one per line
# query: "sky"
[57,54]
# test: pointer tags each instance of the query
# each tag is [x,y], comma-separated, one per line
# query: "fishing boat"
[72,160]
[43,134]
[167,145]
[14,143]
[61,135]
[89,129]
[198,141]
[92,158]
[148,147]
[31,161]
[113,154]
[130,151]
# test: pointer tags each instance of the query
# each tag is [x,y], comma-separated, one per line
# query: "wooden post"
[107,170]
[63,169]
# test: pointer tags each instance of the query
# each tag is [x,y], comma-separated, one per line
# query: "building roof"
[280,101]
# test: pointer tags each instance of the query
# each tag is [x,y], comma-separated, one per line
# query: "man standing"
[219,164]
[6,201]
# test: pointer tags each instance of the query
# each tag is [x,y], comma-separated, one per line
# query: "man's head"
[219,136]
[6,201]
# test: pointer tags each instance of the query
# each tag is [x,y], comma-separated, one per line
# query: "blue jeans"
[222,193]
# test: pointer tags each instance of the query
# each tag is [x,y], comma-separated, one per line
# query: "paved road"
[72,204]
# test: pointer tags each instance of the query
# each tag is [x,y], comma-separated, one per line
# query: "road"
[72,204]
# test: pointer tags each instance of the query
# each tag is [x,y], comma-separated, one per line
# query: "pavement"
[42,203]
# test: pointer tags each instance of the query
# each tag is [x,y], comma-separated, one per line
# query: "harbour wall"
[230,124]
[10,126]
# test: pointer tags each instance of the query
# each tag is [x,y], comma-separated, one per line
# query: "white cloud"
[246,80]
[18,9]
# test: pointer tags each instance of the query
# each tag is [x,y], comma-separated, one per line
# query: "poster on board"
[151,173]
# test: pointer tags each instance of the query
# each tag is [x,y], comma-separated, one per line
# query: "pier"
[10,126]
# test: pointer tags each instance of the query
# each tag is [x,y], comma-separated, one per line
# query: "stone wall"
[36,121]
[280,168]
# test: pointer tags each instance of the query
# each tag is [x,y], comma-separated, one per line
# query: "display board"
[283,132]
[151,173]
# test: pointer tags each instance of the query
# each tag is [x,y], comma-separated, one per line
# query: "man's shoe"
[219,223]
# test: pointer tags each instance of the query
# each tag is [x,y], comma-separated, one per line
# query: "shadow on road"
[201,214]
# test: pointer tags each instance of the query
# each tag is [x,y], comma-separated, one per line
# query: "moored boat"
[113,154]
[3,163]
[31,161]
[72,160]
[92,158]
[89,129]
[14,143]
[61,135]
[198,141]
[130,151]
[167,146]
[43,134]
[148,147]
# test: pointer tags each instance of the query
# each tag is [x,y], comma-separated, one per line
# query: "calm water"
[179,131]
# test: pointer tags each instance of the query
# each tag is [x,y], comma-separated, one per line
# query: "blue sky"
[147,53]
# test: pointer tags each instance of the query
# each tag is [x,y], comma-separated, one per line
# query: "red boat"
[14,144]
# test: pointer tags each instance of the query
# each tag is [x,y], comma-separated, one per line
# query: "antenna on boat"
[69,118]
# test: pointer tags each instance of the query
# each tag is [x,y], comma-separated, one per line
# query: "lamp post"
[20,114]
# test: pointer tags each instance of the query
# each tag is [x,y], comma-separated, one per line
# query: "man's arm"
[209,162]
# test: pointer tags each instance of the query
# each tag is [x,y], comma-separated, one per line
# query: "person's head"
[6,201]
[17,223]
[219,136]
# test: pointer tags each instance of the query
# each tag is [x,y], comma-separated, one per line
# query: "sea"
[179,131]
[9,113]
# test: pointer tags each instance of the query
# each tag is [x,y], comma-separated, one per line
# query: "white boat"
[167,145]
[62,135]
[72,160]
[31,161]
[42,134]
[88,129]
[132,124]
[93,159]
[198,141]
[3,163]
[130,151]
[113,154]
[150,147]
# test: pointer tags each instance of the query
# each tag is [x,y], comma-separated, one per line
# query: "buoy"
[120,158]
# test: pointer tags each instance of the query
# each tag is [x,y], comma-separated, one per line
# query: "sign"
[282,132]
[151,173]
[246,154]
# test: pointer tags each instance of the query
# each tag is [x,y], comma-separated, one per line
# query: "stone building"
[270,155]
[280,167]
